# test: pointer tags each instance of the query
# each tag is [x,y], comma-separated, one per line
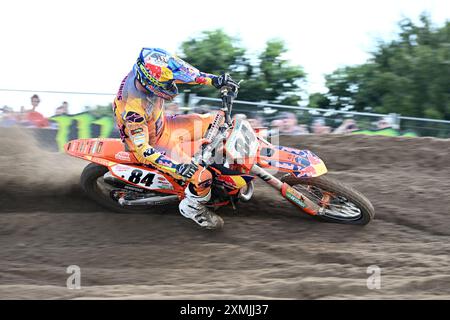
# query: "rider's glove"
[225,80]
[186,170]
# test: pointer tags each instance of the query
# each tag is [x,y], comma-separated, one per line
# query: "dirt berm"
[268,249]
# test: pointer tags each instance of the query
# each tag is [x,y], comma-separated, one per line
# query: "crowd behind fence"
[280,119]
[296,120]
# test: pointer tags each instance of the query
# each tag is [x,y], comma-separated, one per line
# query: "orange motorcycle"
[235,153]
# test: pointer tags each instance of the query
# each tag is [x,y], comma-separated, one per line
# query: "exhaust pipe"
[150,201]
[248,193]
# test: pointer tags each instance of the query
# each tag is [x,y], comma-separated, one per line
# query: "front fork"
[293,195]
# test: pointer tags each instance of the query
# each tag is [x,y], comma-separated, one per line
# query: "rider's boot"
[193,207]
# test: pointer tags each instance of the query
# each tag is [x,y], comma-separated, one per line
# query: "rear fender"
[105,150]
[123,165]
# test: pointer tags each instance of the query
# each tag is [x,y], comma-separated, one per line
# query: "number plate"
[140,177]
[242,142]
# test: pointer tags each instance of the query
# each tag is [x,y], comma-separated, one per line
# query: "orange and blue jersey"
[140,115]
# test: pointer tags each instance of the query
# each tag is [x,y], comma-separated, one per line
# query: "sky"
[90,45]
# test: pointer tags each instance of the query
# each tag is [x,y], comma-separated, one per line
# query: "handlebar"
[228,95]
[204,155]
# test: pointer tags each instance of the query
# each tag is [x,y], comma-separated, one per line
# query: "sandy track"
[266,250]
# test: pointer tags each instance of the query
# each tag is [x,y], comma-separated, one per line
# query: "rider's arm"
[200,78]
[187,74]
[137,131]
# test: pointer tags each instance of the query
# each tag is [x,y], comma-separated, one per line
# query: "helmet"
[153,70]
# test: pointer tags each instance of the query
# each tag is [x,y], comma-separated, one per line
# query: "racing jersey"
[140,116]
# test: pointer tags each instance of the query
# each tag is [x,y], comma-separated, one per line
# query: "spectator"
[62,109]
[33,118]
[256,121]
[275,127]
[384,123]
[34,102]
[319,127]
[289,125]
[347,126]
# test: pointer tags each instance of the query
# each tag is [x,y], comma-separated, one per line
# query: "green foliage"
[213,52]
[269,77]
[318,100]
[410,75]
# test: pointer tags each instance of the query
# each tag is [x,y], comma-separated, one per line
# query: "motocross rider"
[151,136]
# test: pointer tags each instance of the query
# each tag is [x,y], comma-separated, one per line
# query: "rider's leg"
[177,131]
[197,195]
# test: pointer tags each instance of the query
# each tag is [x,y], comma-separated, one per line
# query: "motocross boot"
[193,207]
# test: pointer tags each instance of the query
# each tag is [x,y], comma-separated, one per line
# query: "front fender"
[301,163]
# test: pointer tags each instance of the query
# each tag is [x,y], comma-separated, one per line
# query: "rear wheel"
[340,203]
[105,195]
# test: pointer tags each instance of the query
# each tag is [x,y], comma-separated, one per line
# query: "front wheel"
[340,203]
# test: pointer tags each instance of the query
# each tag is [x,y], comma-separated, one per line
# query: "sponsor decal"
[120,92]
[136,131]
[159,59]
[120,168]
[122,155]
[226,181]
[284,165]
[201,80]
[133,117]
[166,187]
[149,152]
[165,162]
[139,139]
[166,74]
[154,70]
[128,187]
[291,195]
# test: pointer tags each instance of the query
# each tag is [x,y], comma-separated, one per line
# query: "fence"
[368,123]
[302,119]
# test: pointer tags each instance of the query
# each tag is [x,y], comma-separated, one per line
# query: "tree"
[318,100]
[275,79]
[409,75]
[267,77]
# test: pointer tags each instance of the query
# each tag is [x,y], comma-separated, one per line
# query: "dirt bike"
[235,153]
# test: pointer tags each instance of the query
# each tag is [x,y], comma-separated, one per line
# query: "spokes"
[347,210]
[334,205]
